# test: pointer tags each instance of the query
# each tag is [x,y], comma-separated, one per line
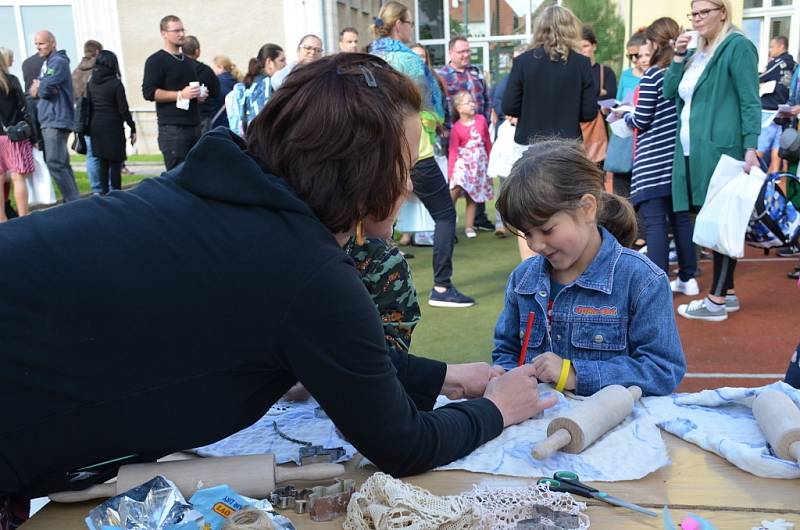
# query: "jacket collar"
[726,42]
[598,276]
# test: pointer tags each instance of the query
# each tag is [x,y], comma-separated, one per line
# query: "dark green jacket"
[725,116]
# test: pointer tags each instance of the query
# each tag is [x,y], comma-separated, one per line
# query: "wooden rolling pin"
[779,419]
[253,476]
[580,426]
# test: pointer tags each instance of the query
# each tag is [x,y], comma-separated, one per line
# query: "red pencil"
[526,339]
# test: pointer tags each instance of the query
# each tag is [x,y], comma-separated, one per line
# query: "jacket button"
[542,293]
[598,339]
[558,337]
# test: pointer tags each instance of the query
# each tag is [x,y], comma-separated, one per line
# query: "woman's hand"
[547,368]
[133,138]
[516,395]
[682,43]
[467,380]
[750,160]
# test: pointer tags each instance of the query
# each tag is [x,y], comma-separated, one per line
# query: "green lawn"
[133,159]
[480,269]
[83,182]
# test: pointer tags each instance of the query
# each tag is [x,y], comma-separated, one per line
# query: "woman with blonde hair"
[393,29]
[715,88]
[550,87]
[228,75]
[16,156]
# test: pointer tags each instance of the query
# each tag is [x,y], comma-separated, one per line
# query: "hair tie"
[378,22]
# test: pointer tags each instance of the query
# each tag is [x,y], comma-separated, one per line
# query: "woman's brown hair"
[335,132]
[660,34]
[387,17]
[552,176]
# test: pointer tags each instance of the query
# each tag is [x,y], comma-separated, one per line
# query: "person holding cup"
[715,87]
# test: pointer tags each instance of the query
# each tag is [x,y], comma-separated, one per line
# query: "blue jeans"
[656,213]
[432,189]
[57,158]
[92,168]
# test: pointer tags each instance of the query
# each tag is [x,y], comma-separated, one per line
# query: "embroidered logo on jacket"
[604,311]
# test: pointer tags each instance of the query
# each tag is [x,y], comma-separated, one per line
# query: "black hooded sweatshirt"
[173,315]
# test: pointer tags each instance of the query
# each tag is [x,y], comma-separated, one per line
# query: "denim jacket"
[615,322]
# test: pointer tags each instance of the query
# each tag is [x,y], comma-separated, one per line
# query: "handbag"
[79,144]
[619,156]
[18,133]
[595,137]
[40,187]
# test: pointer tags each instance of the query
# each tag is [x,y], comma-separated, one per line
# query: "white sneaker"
[470,233]
[689,287]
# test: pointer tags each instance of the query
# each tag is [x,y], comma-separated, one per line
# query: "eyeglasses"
[633,56]
[702,14]
[308,48]
[181,30]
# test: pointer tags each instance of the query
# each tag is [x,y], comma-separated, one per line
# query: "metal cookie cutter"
[316,454]
[328,502]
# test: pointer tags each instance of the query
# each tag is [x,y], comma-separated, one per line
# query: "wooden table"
[697,481]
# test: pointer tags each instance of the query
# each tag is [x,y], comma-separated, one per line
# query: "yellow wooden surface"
[696,481]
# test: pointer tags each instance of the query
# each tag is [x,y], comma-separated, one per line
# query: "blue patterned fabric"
[404,60]
[773,208]
[255,97]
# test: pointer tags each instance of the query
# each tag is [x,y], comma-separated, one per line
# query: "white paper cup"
[194,83]
[695,40]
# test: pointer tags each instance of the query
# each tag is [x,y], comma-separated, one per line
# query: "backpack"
[790,145]
[775,221]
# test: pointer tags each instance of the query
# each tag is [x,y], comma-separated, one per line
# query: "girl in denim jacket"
[601,313]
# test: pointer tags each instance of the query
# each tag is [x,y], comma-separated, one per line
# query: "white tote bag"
[40,186]
[732,193]
[414,217]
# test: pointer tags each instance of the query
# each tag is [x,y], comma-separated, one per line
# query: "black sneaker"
[450,298]
[485,225]
[788,252]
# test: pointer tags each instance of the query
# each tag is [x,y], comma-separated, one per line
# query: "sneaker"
[688,287]
[500,231]
[470,233]
[732,304]
[788,252]
[450,298]
[485,225]
[697,310]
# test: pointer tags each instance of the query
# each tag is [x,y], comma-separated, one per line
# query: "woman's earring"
[360,233]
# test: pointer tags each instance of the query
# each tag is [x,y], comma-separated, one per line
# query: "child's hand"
[547,368]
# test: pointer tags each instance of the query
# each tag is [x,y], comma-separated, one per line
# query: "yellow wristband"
[562,379]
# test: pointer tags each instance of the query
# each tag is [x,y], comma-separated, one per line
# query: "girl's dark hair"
[335,132]
[108,60]
[587,33]
[256,65]
[660,33]
[552,176]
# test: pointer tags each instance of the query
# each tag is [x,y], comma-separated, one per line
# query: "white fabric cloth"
[721,421]
[294,419]
[510,453]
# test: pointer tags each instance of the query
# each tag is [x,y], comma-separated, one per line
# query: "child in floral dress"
[469,157]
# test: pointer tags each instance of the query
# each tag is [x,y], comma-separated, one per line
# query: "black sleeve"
[589,89]
[122,106]
[152,78]
[512,98]
[210,80]
[611,83]
[334,344]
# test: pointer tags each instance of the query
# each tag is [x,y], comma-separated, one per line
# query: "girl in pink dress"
[469,157]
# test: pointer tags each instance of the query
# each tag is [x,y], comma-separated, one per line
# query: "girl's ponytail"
[616,214]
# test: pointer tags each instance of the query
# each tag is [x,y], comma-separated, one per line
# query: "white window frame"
[767,13]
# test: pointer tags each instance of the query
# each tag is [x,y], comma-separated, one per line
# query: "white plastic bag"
[731,196]
[505,151]
[40,186]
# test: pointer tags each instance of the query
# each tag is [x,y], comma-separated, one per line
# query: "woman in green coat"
[716,94]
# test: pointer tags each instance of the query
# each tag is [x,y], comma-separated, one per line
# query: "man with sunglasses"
[170,79]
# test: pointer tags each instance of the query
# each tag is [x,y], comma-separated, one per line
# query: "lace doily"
[385,503]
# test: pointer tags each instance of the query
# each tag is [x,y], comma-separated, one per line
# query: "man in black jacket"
[775,81]
[208,79]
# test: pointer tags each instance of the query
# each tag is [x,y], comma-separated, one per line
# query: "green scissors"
[567,481]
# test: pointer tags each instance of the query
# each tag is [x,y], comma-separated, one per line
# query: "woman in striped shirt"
[656,120]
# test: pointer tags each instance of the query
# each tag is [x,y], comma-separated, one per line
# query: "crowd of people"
[246,245]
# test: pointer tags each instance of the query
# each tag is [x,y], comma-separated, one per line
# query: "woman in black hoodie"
[109,109]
